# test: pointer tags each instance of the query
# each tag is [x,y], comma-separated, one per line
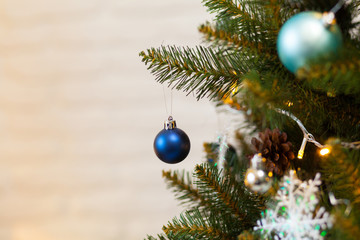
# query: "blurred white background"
[79,112]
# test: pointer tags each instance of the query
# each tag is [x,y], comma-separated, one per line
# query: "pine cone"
[275,148]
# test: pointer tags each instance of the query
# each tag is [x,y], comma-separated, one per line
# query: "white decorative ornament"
[295,215]
[256,177]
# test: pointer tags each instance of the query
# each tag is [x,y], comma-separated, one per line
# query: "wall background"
[79,112]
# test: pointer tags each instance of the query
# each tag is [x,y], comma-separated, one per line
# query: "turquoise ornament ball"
[307,36]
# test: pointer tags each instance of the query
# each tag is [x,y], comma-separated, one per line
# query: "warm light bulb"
[324,151]
[250,178]
[289,104]
[260,173]
[300,154]
[302,148]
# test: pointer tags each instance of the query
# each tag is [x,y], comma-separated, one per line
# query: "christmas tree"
[290,70]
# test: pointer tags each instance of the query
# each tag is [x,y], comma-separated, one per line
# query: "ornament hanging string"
[171,93]
[171,101]
[337,6]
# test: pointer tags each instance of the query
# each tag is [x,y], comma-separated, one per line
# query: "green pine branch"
[200,69]
[341,172]
[160,237]
[210,180]
[345,227]
[248,24]
[338,77]
[228,195]
[230,8]
[184,189]
[250,15]
[222,206]
[194,225]
[223,35]
[319,111]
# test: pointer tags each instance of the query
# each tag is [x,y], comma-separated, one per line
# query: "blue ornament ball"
[307,36]
[172,145]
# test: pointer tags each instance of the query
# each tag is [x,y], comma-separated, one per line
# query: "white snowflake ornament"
[295,215]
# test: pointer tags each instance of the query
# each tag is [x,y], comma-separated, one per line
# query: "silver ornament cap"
[170,123]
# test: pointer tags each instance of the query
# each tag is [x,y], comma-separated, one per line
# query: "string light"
[354,145]
[308,137]
[261,173]
[324,151]
[302,148]
[335,202]
[289,104]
